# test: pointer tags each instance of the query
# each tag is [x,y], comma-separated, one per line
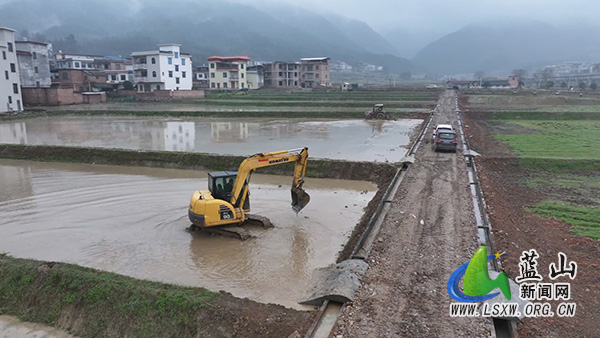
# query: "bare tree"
[547,73]
[479,76]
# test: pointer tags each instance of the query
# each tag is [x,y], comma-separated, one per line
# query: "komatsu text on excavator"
[226,200]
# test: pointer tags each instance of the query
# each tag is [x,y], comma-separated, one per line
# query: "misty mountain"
[408,42]
[203,28]
[498,48]
[364,36]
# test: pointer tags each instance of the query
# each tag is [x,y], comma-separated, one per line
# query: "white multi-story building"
[10,84]
[163,69]
[228,72]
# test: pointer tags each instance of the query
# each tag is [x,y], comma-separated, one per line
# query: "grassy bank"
[362,104]
[92,303]
[109,304]
[319,168]
[333,95]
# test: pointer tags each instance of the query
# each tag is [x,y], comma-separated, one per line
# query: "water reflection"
[13,133]
[346,139]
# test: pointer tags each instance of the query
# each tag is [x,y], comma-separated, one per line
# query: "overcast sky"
[450,14]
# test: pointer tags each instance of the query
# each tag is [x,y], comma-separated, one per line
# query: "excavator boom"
[300,156]
[226,202]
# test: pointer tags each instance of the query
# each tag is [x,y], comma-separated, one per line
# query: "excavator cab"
[221,183]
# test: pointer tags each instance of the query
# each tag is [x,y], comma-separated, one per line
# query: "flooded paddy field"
[132,221]
[355,140]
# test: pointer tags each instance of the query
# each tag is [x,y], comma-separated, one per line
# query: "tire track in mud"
[404,291]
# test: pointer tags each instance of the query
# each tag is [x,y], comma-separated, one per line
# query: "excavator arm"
[300,156]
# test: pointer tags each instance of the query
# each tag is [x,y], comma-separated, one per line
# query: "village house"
[34,64]
[281,74]
[77,71]
[163,69]
[118,70]
[315,72]
[228,72]
[256,77]
[201,78]
[10,83]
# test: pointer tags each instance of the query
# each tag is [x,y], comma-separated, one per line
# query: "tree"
[542,76]
[69,44]
[24,35]
[127,85]
[549,84]
[582,85]
[563,84]
[405,75]
[547,73]
[594,86]
[520,73]
[486,85]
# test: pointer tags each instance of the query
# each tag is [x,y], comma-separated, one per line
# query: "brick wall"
[167,95]
[58,96]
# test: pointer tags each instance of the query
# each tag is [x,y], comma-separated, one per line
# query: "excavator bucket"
[299,199]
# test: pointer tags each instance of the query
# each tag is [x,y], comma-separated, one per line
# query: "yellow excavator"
[226,200]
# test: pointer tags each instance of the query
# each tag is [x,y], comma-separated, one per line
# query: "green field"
[585,221]
[565,139]
[567,181]
[559,146]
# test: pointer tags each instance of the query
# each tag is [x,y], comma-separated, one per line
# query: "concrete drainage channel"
[502,327]
[333,298]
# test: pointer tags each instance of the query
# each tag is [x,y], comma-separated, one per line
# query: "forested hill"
[203,28]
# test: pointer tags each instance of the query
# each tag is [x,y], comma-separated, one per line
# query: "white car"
[431,86]
[439,127]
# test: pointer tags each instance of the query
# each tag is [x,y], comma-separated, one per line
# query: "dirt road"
[428,233]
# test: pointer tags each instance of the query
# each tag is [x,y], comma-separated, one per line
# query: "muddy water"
[132,220]
[11,327]
[356,140]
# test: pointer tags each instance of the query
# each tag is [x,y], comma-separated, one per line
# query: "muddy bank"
[91,303]
[378,173]
[406,113]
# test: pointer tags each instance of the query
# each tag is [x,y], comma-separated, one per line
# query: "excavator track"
[243,231]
